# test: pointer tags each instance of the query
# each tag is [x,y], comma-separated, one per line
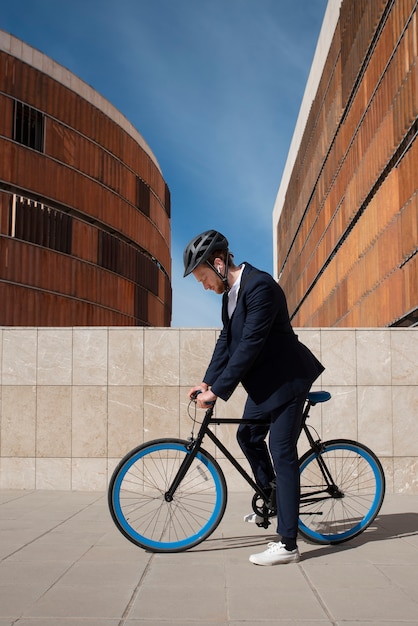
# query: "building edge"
[329,24]
[35,58]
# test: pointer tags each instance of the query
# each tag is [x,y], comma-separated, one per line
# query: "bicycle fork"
[193,448]
[182,471]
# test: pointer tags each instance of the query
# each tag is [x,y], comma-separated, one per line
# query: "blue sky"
[213,86]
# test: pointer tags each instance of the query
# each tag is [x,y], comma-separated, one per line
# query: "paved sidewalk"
[63,563]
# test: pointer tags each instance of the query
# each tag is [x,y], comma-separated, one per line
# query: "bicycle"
[169,495]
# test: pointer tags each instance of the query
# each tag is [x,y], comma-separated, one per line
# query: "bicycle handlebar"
[196,393]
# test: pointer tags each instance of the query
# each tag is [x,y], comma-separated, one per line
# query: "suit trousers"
[282,463]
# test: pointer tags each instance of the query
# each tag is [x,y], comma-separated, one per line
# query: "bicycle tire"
[138,506]
[359,476]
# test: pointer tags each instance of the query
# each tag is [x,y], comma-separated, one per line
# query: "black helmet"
[200,248]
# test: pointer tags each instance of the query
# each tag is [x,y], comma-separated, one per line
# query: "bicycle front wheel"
[336,512]
[137,501]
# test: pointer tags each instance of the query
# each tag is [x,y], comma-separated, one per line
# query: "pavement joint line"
[52,528]
[318,596]
[127,610]
[65,572]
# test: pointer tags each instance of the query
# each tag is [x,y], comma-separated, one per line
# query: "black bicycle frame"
[195,445]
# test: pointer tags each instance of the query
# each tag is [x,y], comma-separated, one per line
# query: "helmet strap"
[223,277]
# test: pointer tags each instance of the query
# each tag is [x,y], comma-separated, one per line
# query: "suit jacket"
[259,348]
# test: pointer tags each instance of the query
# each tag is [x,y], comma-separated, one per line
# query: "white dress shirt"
[233,294]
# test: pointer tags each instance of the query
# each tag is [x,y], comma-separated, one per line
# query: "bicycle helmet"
[200,248]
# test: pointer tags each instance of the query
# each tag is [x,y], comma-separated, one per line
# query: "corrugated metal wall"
[84,215]
[347,236]
[84,212]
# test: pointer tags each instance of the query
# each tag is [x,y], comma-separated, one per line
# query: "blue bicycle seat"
[318,396]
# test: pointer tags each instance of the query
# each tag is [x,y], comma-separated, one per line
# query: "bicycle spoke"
[329,515]
[138,497]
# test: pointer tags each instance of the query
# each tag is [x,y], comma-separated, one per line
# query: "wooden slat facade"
[84,216]
[347,238]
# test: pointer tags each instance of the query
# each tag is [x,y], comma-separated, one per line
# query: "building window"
[39,224]
[167,202]
[142,196]
[140,306]
[28,126]
[409,320]
[127,261]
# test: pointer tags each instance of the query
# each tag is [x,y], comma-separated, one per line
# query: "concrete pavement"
[63,563]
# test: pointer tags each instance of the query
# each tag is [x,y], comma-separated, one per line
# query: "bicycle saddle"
[318,396]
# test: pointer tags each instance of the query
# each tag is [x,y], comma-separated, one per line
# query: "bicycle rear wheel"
[137,501]
[336,514]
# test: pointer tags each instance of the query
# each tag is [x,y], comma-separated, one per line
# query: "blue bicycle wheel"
[137,500]
[334,513]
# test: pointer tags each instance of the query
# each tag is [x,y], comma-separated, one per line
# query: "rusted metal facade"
[347,233]
[84,208]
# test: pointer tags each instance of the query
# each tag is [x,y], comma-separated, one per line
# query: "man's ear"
[217,263]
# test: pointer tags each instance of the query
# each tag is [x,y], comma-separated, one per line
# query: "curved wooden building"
[346,215]
[84,208]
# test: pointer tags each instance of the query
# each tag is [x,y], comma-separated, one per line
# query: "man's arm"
[259,311]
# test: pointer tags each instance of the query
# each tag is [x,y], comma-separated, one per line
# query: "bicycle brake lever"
[196,393]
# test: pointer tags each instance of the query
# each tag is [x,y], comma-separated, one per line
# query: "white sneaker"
[275,554]
[253,518]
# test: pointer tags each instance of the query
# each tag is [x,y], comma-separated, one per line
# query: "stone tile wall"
[73,401]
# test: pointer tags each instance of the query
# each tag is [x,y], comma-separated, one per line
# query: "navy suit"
[258,348]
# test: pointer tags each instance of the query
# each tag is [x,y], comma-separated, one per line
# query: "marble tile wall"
[73,401]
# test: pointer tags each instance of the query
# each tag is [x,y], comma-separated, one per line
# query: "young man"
[258,348]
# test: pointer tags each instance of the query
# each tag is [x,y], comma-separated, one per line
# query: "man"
[258,348]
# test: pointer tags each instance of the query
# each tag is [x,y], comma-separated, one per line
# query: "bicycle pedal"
[264,524]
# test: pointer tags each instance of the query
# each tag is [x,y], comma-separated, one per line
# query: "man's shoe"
[275,554]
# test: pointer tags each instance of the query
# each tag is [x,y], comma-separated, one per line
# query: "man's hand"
[197,389]
[202,396]
[205,399]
